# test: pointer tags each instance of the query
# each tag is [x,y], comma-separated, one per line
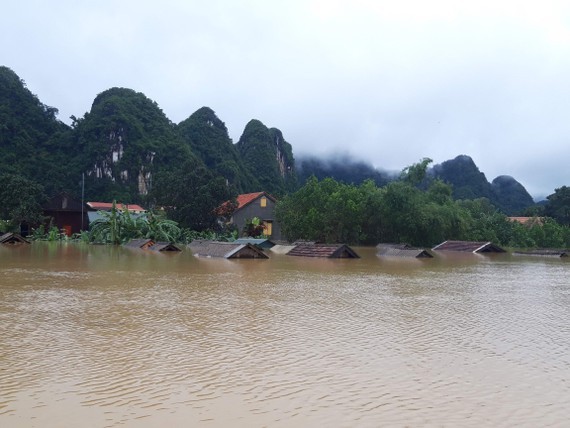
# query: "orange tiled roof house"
[260,205]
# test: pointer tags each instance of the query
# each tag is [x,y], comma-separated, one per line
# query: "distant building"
[260,205]
[528,221]
[95,207]
[66,213]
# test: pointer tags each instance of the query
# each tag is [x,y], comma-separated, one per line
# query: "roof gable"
[469,247]
[402,250]
[248,198]
[337,251]
[226,250]
[13,239]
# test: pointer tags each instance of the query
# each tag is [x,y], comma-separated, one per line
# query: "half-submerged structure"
[544,253]
[226,250]
[13,239]
[262,243]
[469,247]
[149,244]
[331,251]
[402,250]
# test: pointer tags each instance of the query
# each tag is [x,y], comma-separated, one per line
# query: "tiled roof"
[260,242]
[246,198]
[323,250]
[402,250]
[164,246]
[13,238]
[469,247]
[140,243]
[106,206]
[227,250]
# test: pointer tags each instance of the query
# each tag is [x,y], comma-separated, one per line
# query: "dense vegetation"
[404,212]
[129,151]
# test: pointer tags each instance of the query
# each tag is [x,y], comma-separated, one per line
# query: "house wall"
[68,221]
[254,209]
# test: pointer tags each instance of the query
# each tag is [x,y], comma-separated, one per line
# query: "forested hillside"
[128,150]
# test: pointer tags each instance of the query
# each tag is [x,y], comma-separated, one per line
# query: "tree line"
[410,211]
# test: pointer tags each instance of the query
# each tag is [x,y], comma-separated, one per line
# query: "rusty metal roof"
[324,250]
[469,247]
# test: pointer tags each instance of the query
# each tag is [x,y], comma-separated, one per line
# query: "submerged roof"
[149,244]
[164,246]
[13,238]
[402,250]
[226,250]
[469,247]
[260,242]
[139,243]
[544,252]
[323,250]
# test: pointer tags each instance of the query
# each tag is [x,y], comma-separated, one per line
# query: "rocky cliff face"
[126,138]
[268,157]
[208,138]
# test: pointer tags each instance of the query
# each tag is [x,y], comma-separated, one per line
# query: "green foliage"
[415,174]
[508,195]
[20,201]
[190,196]
[119,226]
[125,140]
[208,138]
[558,206]
[268,157]
[401,212]
[253,228]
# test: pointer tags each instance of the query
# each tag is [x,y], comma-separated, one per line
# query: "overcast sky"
[390,82]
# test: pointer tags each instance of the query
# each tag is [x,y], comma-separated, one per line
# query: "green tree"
[20,201]
[558,205]
[190,195]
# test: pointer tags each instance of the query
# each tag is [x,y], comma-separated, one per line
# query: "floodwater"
[94,336]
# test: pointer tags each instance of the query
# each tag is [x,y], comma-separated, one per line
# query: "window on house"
[263,202]
[267,227]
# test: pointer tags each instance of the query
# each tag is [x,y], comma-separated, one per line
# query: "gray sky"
[390,82]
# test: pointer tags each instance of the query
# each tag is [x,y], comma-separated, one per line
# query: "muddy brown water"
[94,336]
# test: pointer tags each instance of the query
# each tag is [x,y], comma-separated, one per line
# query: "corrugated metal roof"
[323,250]
[469,247]
[227,250]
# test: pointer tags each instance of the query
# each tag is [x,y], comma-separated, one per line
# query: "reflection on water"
[106,337]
